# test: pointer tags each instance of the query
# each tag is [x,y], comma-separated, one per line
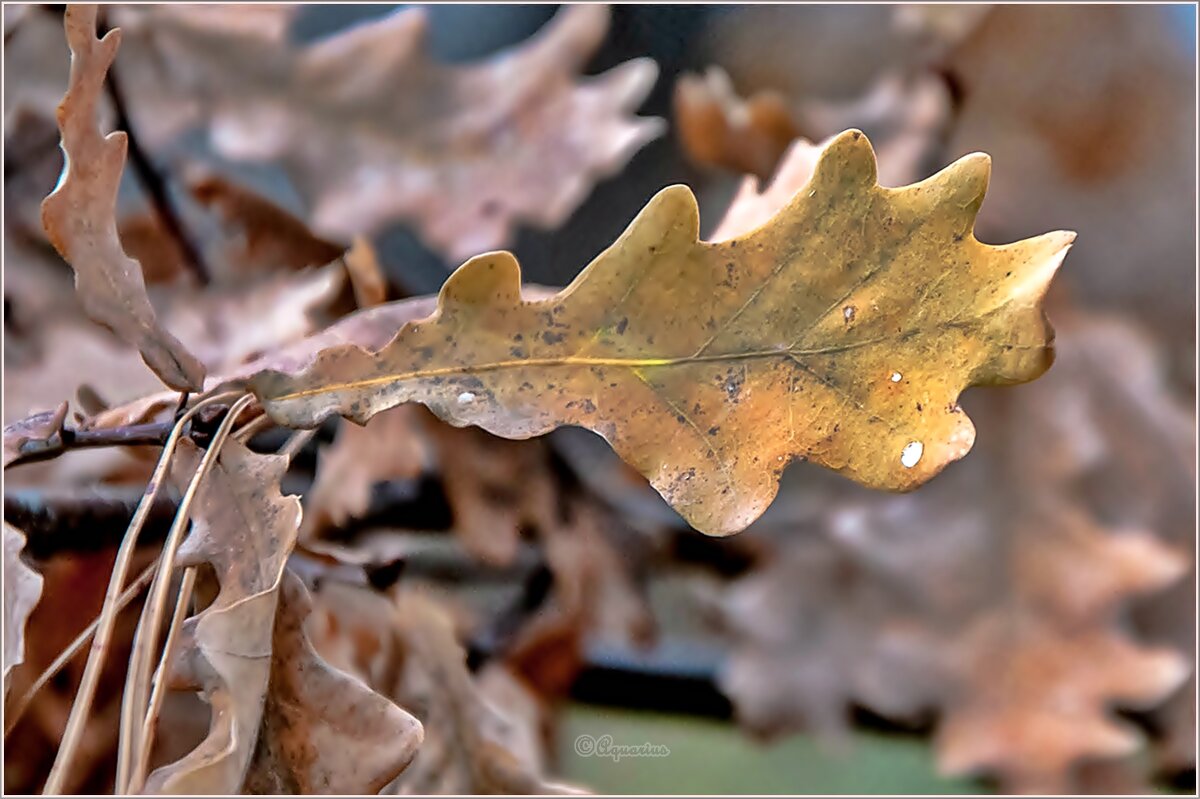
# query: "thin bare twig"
[153,182]
[154,434]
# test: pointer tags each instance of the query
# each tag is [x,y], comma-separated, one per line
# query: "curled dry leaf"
[22,590]
[719,128]
[469,746]
[389,447]
[80,215]
[270,237]
[39,427]
[323,731]
[245,528]
[465,153]
[841,332]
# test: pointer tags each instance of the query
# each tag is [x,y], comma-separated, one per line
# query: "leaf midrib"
[570,360]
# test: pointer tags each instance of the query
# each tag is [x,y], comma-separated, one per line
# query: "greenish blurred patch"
[710,757]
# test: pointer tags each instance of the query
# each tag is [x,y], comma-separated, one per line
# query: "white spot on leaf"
[465,397]
[911,454]
[896,376]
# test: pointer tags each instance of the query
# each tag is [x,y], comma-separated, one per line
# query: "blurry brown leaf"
[324,731]
[147,241]
[1122,437]
[245,528]
[270,237]
[366,275]
[464,153]
[389,447]
[22,590]
[1040,678]
[719,128]
[752,208]
[72,593]
[1096,131]
[72,354]
[497,489]
[229,326]
[998,595]
[80,215]
[470,747]
[704,366]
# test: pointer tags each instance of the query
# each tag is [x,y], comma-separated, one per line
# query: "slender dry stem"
[13,715]
[158,689]
[145,638]
[82,705]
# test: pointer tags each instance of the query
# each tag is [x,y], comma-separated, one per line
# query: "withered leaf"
[469,745]
[245,528]
[998,597]
[389,447]
[39,427]
[323,730]
[270,237]
[719,128]
[80,215]
[22,590]
[841,332]
[753,207]
[372,130]
[1039,678]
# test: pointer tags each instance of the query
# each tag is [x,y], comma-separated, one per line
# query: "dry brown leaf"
[469,745]
[752,208]
[1040,679]
[824,335]
[229,326]
[905,114]
[323,730]
[366,274]
[1099,127]
[374,131]
[80,215]
[389,447]
[719,128]
[244,527]
[39,427]
[928,603]
[22,590]
[496,489]
[1004,609]
[268,236]
[1123,440]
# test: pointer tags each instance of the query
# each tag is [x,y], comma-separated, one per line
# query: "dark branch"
[155,184]
[66,440]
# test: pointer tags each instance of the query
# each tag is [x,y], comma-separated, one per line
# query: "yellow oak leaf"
[842,331]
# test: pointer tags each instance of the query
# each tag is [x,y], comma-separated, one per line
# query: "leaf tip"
[490,278]
[847,160]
